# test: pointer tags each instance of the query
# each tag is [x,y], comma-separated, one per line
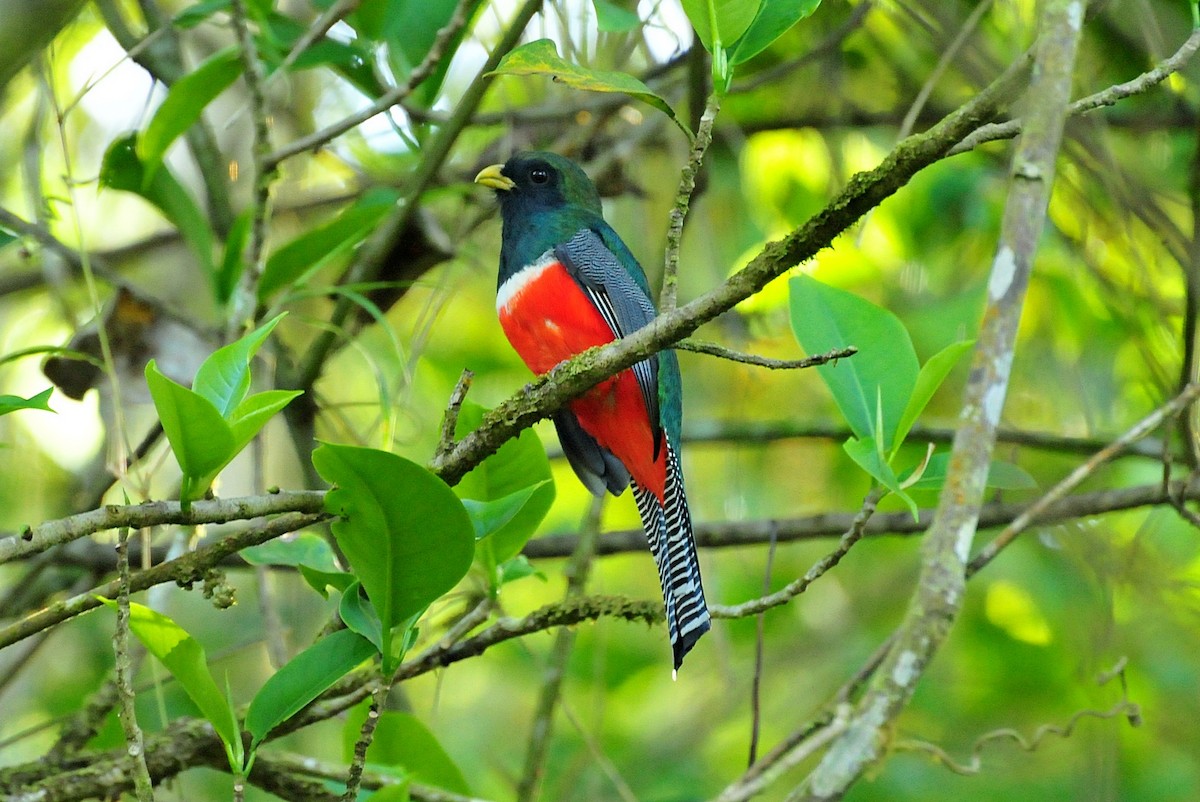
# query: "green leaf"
[309,251]
[612,18]
[229,273]
[518,567]
[11,403]
[183,656]
[184,103]
[224,378]
[122,169]
[405,533]
[519,464]
[733,18]
[320,580]
[193,15]
[865,452]
[929,379]
[1001,475]
[199,436]
[359,616]
[774,18]
[490,516]
[880,377]
[7,237]
[303,679]
[410,29]
[541,58]
[402,741]
[253,413]
[302,549]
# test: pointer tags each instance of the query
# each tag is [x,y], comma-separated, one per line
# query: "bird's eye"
[539,175]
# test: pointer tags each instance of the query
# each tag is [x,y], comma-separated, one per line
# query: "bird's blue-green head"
[544,199]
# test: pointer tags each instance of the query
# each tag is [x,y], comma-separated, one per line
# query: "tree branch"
[940,591]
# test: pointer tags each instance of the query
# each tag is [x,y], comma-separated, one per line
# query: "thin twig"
[365,736]
[453,408]
[667,299]
[712,349]
[1059,492]
[124,667]
[242,306]
[437,51]
[759,658]
[1107,97]
[798,586]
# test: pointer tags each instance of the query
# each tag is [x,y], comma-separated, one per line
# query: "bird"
[567,282]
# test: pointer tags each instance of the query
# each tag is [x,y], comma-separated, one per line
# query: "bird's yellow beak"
[491,176]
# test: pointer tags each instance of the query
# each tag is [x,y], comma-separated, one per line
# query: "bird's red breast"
[548,318]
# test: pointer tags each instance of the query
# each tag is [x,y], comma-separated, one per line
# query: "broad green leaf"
[320,580]
[489,517]
[303,679]
[880,377]
[359,615]
[405,533]
[519,464]
[302,549]
[195,14]
[184,103]
[183,656]
[612,18]
[1001,475]
[278,34]
[541,58]
[253,413]
[733,18]
[402,741]
[865,452]
[774,18]
[229,273]
[224,378]
[929,379]
[6,237]
[309,251]
[199,436]
[123,169]
[410,29]
[518,567]
[11,403]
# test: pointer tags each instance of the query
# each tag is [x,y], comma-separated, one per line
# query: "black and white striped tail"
[669,530]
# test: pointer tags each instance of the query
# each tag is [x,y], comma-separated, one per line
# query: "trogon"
[567,282]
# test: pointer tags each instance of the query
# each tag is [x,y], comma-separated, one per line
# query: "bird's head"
[538,180]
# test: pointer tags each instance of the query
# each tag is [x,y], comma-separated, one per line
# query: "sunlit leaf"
[11,403]
[302,679]
[929,379]
[306,253]
[199,436]
[774,18]
[865,452]
[359,615]
[122,169]
[224,378]
[184,103]
[541,58]
[733,18]
[880,377]
[612,18]
[183,656]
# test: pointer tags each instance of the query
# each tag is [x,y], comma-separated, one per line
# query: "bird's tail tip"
[684,643]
